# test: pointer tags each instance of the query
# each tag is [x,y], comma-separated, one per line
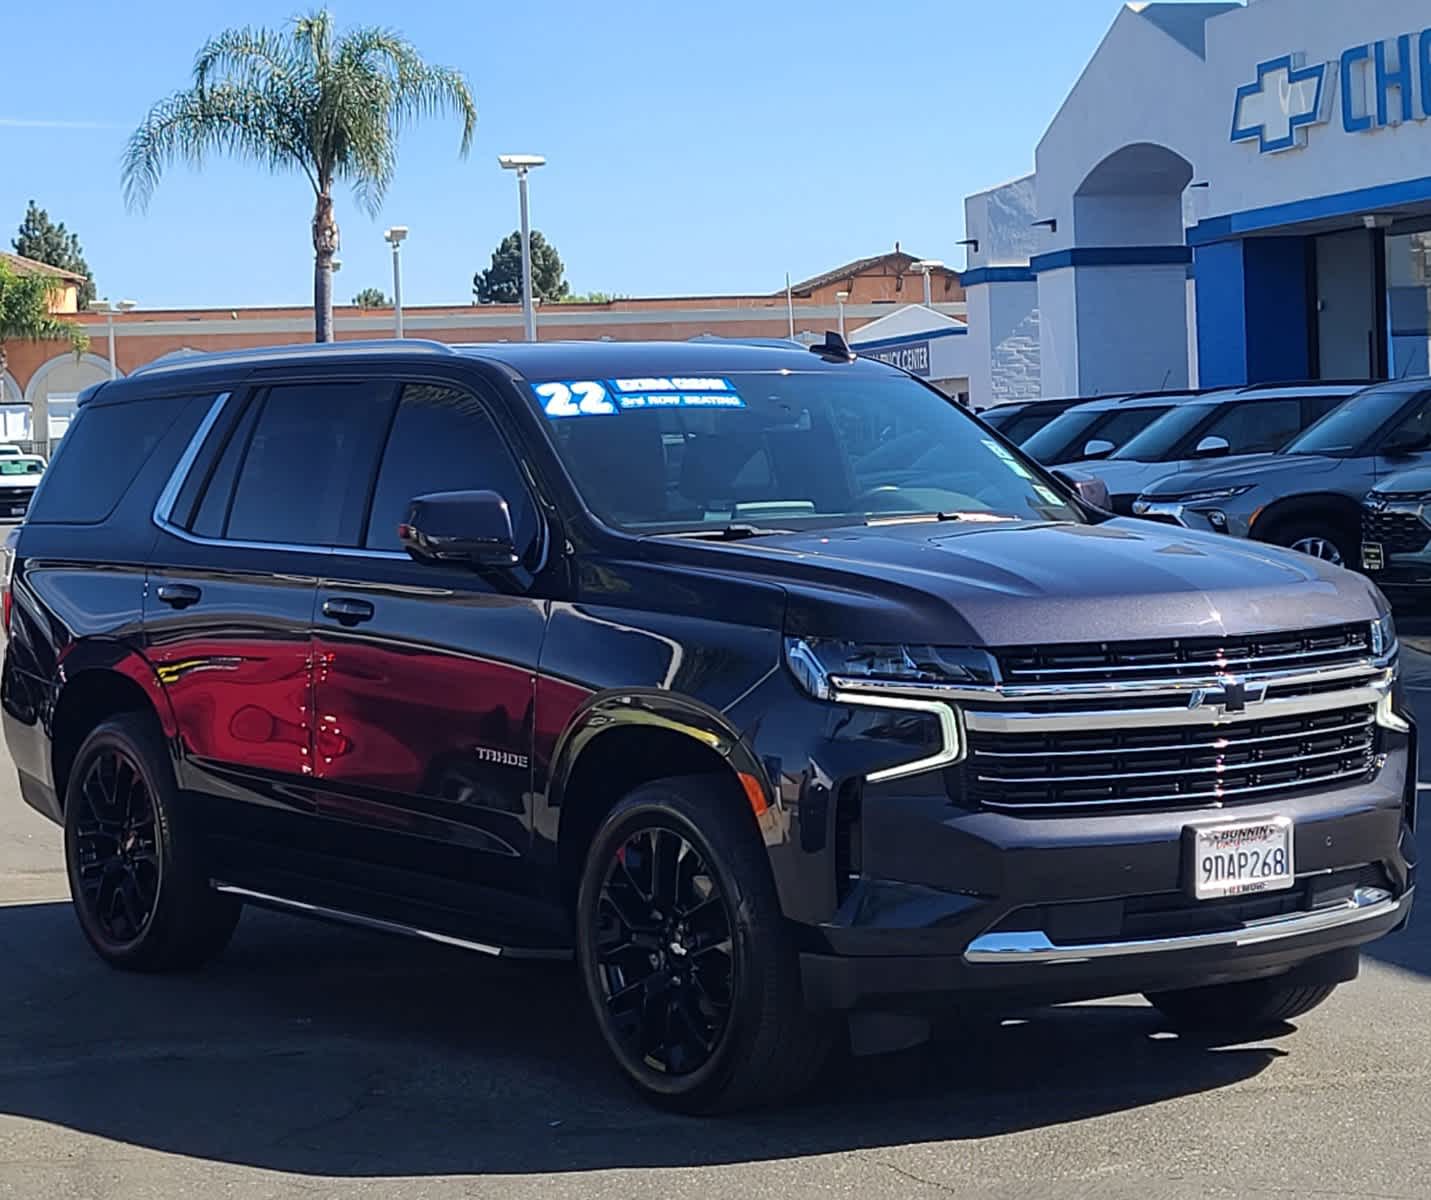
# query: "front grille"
[1122,505]
[16,495]
[1397,532]
[1184,658]
[1172,766]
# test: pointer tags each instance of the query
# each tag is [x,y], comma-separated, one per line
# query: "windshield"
[784,449]
[1347,429]
[21,466]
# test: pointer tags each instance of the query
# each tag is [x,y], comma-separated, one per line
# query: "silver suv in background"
[1260,419]
[1309,497]
[1095,430]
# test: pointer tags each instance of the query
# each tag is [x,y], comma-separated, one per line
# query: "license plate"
[1242,858]
[1372,557]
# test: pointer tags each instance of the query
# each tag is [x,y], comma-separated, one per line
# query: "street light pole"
[522,164]
[927,266]
[395,237]
[109,310]
[840,298]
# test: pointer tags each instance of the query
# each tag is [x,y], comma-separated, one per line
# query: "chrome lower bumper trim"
[1367,904]
[348,918]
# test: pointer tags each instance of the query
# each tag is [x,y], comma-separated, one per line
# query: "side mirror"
[1213,447]
[467,527]
[1098,448]
[1088,488]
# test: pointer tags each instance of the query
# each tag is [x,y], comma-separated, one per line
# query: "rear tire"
[135,863]
[693,976]
[1328,537]
[1256,1005]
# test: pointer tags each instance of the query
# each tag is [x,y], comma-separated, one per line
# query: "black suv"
[769,684]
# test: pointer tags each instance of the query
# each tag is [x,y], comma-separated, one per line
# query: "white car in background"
[20,475]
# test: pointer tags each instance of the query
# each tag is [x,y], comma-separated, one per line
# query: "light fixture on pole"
[522,164]
[926,266]
[394,237]
[840,298]
[109,309]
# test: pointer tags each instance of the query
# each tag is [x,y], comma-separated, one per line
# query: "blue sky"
[692,148]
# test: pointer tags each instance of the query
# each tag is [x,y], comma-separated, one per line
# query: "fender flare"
[117,658]
[654,708]
[1289,506]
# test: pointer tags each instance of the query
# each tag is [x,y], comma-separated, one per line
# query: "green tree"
[371,297]
[591,297]
[501,283]
[304,99]
[25,315]
[44,241]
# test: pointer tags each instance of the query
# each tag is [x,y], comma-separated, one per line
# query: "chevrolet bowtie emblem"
[1233,694]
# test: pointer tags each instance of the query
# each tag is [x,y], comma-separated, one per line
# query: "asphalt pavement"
[315,1061]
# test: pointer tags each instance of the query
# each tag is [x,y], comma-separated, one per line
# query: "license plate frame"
[1373,556]
[1239,858]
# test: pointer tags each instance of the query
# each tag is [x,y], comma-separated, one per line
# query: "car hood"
[20,481]
[1254,469]
[1014,583]
[1418,479]
[1124,477]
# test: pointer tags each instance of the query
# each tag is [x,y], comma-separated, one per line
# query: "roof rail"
[178,360]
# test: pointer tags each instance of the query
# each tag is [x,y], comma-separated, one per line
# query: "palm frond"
[247,56]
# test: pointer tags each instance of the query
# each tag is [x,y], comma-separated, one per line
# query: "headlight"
[1210,494]
[1383,636]
[824,666]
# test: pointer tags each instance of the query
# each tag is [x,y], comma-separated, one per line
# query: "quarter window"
[443,441]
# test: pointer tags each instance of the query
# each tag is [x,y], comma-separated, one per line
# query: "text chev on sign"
[1371,86]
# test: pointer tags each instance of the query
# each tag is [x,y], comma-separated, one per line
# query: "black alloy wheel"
[117,844]
[688,961]
[665,951]
[136,856]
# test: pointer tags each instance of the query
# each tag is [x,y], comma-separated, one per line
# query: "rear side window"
[1255,426]
[444,441]
[305,474]
[102,452]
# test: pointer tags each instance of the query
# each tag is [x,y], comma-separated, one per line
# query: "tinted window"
[1255,426]
[788,449]
[1124,424]
[1061,437]
[230,444]
[1021,428]
[444,441]
[305,477]
[22,466]
[100,455]
[1349,428]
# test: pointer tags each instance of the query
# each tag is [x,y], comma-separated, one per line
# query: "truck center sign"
[911,356]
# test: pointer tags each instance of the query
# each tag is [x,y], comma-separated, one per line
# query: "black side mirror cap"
[1088,488]
[468,527]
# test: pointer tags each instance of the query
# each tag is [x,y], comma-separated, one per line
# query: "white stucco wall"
[1002,352]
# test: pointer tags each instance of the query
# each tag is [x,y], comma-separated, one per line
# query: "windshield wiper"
[974,517]
[727,533]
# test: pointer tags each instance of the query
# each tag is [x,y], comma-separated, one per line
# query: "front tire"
[1253,1006]
[1326,537]
[135,865]
[691,972]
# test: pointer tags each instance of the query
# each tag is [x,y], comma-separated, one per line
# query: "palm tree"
[304,99]
[25,315]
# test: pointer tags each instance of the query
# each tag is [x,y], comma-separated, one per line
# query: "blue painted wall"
[1252,314]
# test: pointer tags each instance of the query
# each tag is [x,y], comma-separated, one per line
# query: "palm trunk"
[325,245]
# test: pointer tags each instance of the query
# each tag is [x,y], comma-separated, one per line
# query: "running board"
[377,923]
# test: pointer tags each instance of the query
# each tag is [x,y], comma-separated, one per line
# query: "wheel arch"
[1304,504]
[619,741]
[96,683]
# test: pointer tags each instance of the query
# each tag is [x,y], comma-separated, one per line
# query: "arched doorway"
[51,392]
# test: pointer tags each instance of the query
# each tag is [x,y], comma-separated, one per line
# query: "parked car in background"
[1396,532]
[8,451]
[768,685]
[1308,497]
[1096,429]
[20,475]
[1214,425]
[1021,420]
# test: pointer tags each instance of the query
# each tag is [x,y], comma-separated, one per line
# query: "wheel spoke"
[665,869]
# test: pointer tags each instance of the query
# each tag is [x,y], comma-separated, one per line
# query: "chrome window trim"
[164,506]
[950,751]
[1034,947]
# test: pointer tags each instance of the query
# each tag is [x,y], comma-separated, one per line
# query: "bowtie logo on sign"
[1371,86]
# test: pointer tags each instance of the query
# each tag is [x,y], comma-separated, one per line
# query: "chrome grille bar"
[1032,781]
[1179,747]
[1215,798]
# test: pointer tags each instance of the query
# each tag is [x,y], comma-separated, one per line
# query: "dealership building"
[1231,193]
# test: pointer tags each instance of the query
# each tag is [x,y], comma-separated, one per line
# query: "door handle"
[178,595]
[347,611]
